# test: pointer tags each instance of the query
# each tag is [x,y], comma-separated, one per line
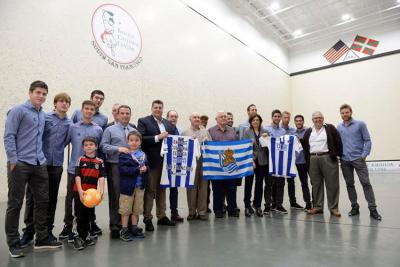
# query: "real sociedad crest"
[227,161]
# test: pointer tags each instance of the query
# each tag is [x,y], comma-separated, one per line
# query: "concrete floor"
[295,239]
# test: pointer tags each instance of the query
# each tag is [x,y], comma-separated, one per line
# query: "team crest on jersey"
[227,160]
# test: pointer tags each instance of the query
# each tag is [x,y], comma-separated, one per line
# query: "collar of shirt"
[90,123]
[313,129]
[157,120]
[348,124]
[55,114]
[28,104]
[195,129]
[222,129]
[275,126]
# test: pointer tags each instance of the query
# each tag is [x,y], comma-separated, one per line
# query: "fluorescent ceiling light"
[274,6]
[346,17]
[297,33]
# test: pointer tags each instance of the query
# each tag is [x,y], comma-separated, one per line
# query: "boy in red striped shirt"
[90,173]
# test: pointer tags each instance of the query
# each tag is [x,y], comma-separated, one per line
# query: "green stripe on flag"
[360,39]
[356,47]
[372,42]
[368,51]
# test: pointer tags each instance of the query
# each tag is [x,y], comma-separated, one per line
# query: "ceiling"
[302,22]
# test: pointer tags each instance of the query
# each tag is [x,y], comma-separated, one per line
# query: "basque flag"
[227,159]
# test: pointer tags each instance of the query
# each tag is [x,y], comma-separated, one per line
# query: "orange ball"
[91,198]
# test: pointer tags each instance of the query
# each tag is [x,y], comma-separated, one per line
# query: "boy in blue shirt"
[133,175]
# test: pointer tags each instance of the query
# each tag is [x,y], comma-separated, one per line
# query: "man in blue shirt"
[356,148]
[54,136]
[278,183]
[27,165]
[290,181]
[114,142]
[97,97]
[76,133]
[301,161]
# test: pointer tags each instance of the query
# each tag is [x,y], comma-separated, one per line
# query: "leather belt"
[319,154]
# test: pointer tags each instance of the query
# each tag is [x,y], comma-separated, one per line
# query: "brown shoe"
[176,218]
[314,211]
[191,217]
[336,212]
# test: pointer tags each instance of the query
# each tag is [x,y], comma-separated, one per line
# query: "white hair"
[316,113]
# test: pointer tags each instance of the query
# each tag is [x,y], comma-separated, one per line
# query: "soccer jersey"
[90,170]
[282,154]
[180,153]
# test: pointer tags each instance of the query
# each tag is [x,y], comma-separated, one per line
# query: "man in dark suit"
[154,129]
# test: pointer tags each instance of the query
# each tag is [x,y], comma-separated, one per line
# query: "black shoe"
[176,218]
[374,214]
[149,227]
[125,235]
[114,234]
[208,210]
[89,241]
[259,212]
[296,206]
[281,210]
[165,221]
[224,209]
[52,237]
[47,244]
[234,213]
[273,207]
[16,251]
[250,209]
[92,234]
[95,229]
[71,237]
[79,244]
[354,212]
[238,210]
[65,232]
[247,212]
[26,239]
[267,210]
[219,214]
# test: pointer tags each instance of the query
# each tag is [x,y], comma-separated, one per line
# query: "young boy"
[133,175]
[89,173]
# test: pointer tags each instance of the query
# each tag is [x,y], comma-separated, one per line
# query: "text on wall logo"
[117,38]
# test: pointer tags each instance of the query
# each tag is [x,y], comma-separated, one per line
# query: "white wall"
[372,89]
[311,56]
[187,62]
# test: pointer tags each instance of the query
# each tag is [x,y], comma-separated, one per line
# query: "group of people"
[128,158]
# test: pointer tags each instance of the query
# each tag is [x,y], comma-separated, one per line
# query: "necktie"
[126,131]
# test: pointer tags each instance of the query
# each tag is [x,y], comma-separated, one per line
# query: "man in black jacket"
[322,147]
[154,129]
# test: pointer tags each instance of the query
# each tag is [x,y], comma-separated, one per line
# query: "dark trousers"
[69,217]
[54,173]
[218,187]
[173,200]
[291,190]
[248,187]
[278,186]
[208,193]
[36,177]
[83,216]
[302,171]
[262,176]
[361,169]
[113,185]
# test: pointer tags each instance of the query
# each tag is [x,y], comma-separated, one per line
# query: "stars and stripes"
[336,52]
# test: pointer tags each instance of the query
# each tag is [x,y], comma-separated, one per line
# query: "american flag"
[336,52]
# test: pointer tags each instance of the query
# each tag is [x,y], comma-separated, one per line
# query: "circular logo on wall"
[117,38]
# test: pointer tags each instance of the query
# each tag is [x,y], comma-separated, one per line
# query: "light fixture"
[398,1]
[297,33]
[274,6]
[346,17]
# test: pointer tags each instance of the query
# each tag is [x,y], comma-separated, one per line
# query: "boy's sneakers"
[137,232]
[79,244]
[125,235]
[16,251]
[71,237]
[26,239]
[51,236]
[89,241]
[65,232]
[47,244]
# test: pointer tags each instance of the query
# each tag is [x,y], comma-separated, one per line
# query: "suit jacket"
[333,139]
[260,154]
[148,127]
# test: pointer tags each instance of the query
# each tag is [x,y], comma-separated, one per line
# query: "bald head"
[221,118]
[195,120]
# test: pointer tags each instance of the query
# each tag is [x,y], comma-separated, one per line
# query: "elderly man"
[154,128]
[197,196]
[222,132]
[322,148]
[114,142]
[172,117]
[356,148]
